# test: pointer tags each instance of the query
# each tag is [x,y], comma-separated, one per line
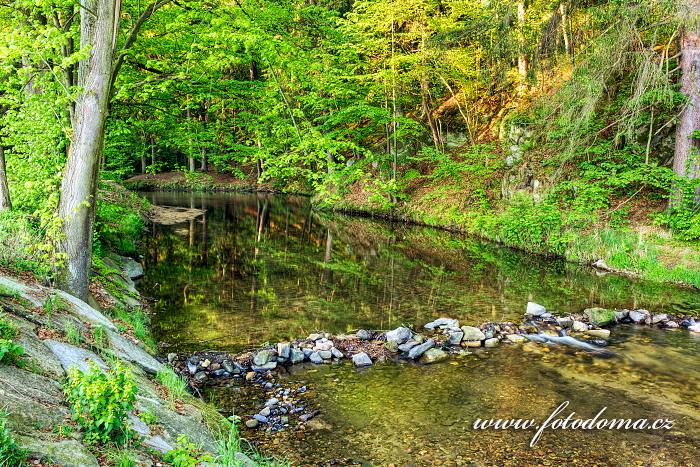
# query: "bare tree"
[4,190]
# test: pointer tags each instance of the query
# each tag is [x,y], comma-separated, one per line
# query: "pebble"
[493,342]
[260,418]
[252,423]
[271,402]
[516,338]
[265,412]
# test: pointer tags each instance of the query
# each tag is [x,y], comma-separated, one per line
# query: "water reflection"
[258,268]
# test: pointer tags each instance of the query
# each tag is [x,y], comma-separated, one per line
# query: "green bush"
[22,247]
[186,454]
[10,453]
[100,402]
[10,353]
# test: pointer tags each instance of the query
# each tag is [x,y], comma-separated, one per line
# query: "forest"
[534,123]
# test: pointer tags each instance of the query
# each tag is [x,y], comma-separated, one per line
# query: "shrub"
[186,454]
[21,244]
[10,353]
[100,402]
[10,453]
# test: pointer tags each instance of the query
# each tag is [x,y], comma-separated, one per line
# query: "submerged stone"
[433,355]
[493,342]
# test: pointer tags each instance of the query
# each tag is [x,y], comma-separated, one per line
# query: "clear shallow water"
[264,268]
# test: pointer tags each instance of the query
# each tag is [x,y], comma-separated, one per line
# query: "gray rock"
[433,355]
[442,323]
[337,353]
[391,346]
[131,352]
[671,324]
[535,309]
[694,328]
[67,452]
[405,347]
[297,356]
[579,326]
[419,350]
[472,334]
[364,335]
[82,310]
[265,412]
[565,322]
[200,376]
[71,356]
[263,357]
[158,443]
[30,400]
[493,342]
[325,354]
[131,267]
[640,316]
[516,338]
[399,335]
[315,336]
[361,359]
[323,344]
[252,423]
[659,318]
[260,418]
[602,333]
[600,316]
[456,337]
[283,349]
[316,358]
[621,314]
[266,367]
[271,402]
[136,424]
[31,294]
[307,352]
[191,367]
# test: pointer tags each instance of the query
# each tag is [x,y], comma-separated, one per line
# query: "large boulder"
[399,335]
[71,356]
[127,350]
[361,359]
[535,309]
[68,452]
[600,316]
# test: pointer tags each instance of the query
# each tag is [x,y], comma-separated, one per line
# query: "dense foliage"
[370,104]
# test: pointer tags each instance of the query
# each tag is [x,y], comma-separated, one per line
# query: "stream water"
[262,268]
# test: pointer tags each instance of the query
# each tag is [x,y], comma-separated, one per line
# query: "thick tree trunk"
[686,160]
[78,188]
[4,190]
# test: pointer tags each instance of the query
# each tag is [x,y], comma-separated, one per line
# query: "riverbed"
[261,268]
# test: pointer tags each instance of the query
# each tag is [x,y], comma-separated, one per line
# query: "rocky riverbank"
[53,332]
[284,407]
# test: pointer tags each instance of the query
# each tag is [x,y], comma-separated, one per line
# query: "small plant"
[148,417]
[186,454]
[63,430]
[98,336]
[176,385]
[53,303]
[10,353]
[10,453]
[100,402]
[121,458]
[8,292]
[230,445]
[73,334]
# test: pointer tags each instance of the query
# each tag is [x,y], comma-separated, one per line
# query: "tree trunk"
[522,56]
[143,163]
[153,152]
[78,188]
[685,161]
[4,190]
[567,45]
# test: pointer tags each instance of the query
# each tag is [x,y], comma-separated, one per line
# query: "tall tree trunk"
[153,152]
[143,163]
[562,12]
[190,156]
[4,190]
[78,188]
[522,55]
[685,161]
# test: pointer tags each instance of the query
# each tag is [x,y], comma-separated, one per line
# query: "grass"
[121,457]
[73,334]
[10,453]
[136,320]
[230,450]
[176,385]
